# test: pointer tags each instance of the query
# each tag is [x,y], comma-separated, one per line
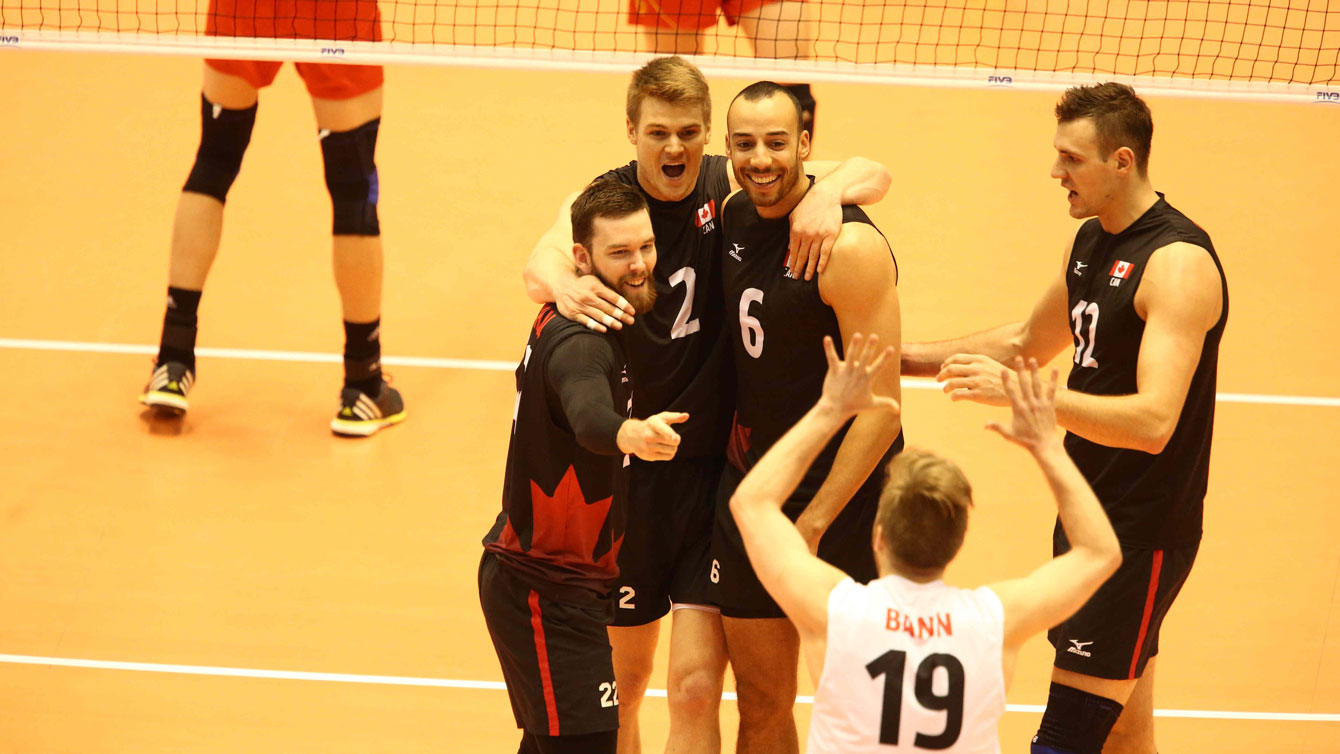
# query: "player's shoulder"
[552,328]
[859,246]
[1182,227]
[737,203]
[1088,232]
[625,174]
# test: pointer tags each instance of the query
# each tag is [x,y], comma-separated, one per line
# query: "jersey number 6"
[751,330]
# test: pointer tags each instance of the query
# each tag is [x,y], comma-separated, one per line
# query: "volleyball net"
[1218,47]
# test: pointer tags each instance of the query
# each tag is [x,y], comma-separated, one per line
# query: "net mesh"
[1289,41]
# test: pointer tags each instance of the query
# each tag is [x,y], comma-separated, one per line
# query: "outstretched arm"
[1056,590]
[798,580]
[1043,335]
[551,275]
[579,373]
[1180,298]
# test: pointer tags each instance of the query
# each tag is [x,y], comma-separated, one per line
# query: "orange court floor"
[246,538]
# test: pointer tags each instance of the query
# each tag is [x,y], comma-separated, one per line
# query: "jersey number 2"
[683,325]
[891,665]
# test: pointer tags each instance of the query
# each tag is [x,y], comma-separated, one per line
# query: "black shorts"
[555,656]
[1117,630]
[734,586]
[666,543]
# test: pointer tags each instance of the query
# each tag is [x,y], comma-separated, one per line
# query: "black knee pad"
[351,178]
[224,136]
[1076,722]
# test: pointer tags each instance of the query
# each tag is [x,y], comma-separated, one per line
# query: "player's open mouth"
[638,284]
[1072,195]
[763,180]
[672,171]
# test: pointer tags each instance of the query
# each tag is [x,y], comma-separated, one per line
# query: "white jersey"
[910,667]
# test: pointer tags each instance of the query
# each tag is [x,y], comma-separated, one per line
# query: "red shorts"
[324,80]
[357,20]
[689,14]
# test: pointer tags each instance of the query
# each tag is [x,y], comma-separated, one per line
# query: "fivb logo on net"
[1333,97]
[9,40]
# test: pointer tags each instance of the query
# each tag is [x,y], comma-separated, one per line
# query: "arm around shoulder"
[551,264]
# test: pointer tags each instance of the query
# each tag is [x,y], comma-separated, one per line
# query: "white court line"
[391,680]
[913,383]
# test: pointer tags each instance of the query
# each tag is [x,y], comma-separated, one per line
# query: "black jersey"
[1153,500]
[777,339]
[676,353]
[562,518]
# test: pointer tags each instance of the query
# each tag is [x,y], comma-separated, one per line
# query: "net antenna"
[1285,50]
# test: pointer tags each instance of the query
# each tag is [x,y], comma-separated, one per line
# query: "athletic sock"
[179,327]
[363,356]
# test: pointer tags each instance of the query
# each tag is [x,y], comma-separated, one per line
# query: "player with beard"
[680,362]
[780,365]
[549,560]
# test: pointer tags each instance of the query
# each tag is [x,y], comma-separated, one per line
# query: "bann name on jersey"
[918,627]
[706,217]
[1120,271]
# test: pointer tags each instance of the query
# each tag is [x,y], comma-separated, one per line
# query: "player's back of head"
[1119,116]
[923,509]
[671,79]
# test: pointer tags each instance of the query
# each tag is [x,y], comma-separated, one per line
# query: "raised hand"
[847,386]
[1033,402]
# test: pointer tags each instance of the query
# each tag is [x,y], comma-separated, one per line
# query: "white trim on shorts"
[693,606]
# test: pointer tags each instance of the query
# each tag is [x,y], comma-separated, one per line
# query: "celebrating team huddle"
[708,424]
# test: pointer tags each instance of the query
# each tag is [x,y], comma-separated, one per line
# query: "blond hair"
[923,509]
[671,79]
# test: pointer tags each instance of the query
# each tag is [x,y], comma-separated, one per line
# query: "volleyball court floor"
[246,540]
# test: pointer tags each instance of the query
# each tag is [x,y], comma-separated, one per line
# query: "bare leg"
[780,30]
[634,651]
[198,225]
[357,259]
[1134,731]
[765,654]
[667,41]
[696,675]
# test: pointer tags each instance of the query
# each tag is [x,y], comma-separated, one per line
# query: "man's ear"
[582,257]
[1125,158]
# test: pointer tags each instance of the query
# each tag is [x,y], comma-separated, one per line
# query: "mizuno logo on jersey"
[1120,271]
[1079,266]
[1078,648]
[706,217]
[735,252]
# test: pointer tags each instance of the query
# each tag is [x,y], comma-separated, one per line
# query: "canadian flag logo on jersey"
[1121,270]
[707,213]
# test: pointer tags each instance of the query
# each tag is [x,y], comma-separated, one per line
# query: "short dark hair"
[603,198]
[1119,116]
[761,90]
[923,509]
